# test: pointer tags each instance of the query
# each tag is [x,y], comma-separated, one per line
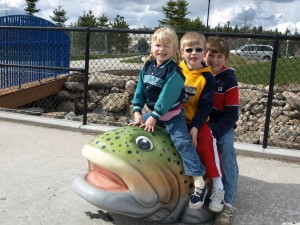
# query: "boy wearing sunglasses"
[199,86]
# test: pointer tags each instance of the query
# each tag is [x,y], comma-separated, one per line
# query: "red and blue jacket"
[226,103]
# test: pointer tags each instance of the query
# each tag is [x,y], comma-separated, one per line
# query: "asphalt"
[40,157]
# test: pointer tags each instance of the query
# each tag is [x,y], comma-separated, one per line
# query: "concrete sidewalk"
[242,148]
[40,157]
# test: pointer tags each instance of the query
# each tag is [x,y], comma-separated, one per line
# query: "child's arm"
[229,111]
[225,123]
[169,95]
[205,103]
[139,101]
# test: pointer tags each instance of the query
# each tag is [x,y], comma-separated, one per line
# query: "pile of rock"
[109,102]
[285,115]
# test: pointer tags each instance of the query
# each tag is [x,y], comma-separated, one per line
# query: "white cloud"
[139,13]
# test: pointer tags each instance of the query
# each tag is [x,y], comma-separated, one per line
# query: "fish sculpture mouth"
[108,187]
[105,179]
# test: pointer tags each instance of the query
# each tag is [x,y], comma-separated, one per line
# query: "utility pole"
[207,15]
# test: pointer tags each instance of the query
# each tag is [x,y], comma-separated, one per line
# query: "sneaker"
[198,198]
[225,217]
[216,200]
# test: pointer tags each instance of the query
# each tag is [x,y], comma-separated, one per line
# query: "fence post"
[271,92]
[86,74]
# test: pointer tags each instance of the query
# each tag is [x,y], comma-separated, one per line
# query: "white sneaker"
[216,200]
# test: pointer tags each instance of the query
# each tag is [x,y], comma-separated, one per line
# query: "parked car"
[255,52]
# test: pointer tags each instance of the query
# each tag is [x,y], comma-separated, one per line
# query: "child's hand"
[137,119]
[149,124]
[194,134]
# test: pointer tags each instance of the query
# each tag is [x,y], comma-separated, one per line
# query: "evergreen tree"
[31,7]
[143,45]
[236,29]
[175,13]
[103,21]
[102,42]
[119,41]
[59,16]
[87,20]
[195,25]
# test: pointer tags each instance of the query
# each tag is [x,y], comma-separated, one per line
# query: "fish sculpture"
[138,174]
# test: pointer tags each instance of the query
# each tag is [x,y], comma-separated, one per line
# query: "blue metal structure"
[31,47]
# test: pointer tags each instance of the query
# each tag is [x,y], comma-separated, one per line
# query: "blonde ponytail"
[148,58]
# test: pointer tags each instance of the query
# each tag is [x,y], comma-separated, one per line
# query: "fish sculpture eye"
[144,143]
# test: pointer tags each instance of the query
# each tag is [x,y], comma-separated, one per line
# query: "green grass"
[247,71]
[258,72]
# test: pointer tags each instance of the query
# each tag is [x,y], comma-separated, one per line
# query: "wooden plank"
[31,93]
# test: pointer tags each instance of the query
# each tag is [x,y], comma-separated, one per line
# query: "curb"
[242,148]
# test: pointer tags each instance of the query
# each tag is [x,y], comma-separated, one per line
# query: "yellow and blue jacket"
[201,83]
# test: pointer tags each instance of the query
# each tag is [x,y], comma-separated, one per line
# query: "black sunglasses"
[190,50]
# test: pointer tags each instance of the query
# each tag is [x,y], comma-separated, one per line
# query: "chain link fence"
[104,69]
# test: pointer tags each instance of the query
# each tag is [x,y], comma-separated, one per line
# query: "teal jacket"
[160,88]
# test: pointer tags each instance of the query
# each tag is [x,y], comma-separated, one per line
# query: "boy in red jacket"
[223,120]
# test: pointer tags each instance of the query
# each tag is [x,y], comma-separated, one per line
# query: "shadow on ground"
[258,203]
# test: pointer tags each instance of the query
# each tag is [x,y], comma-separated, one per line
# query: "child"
[160,87]
[223,120]
[200,80]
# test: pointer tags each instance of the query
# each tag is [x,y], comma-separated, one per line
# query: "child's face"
[162,52]
[215,61]
[193,56]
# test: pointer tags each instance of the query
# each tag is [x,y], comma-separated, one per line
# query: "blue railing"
[45,48]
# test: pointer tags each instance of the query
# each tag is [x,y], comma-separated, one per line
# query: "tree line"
[175,15]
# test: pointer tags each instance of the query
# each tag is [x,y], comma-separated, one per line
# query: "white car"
[255,52]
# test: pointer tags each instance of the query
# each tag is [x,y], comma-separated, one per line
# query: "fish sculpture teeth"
[138,174]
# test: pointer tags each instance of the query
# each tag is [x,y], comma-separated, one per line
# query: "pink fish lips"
[105,179]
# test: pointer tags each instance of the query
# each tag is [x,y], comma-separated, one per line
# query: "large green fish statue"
[138,174]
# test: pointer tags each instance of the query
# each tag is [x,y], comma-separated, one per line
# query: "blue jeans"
[229,165]
[177,129]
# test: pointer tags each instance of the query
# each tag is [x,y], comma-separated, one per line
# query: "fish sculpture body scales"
[138,174]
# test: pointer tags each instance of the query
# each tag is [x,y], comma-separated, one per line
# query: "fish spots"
[129,152]
[103,146]
[117,137]
[178,163]
[169,159]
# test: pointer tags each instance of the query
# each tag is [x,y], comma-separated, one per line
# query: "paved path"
[39,163]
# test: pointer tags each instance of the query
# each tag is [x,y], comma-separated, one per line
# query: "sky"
[270,14]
